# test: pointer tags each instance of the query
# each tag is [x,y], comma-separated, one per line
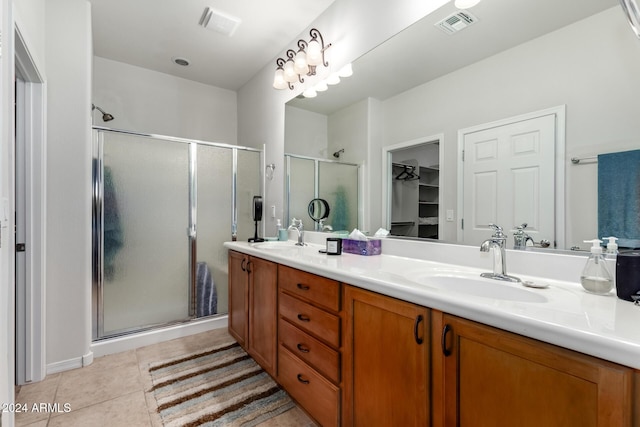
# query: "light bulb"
[278,79]
[321,87]
[466,4]
[333,79]
[346,71]
[309,93]
[290,74]
[314,53]
[300,63]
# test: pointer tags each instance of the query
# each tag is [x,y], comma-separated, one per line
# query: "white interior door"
[508,179]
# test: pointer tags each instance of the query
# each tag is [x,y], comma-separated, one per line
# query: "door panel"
[509,179]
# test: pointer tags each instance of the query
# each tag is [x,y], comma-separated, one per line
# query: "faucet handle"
[497,231]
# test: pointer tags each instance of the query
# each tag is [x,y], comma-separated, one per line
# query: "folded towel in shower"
[619,197]
[206,295]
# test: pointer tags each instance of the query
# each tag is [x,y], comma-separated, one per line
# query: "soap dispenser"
[612,246]
[596,277]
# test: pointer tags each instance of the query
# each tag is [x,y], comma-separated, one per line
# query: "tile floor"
[112,390]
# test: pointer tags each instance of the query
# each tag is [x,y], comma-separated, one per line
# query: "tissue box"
[362,247]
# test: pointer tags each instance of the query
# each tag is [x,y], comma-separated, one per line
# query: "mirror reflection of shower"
[106,117]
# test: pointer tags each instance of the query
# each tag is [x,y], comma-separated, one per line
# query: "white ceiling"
[423,52]
[149,33]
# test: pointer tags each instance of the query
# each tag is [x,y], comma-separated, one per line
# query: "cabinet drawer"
[321,291]
[323,358]
[313,392]
[323,325]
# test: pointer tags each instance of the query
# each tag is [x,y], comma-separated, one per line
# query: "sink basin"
[485,288]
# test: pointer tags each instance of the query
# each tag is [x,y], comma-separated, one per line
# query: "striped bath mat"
[219,386]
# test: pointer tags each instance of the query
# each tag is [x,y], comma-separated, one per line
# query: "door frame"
[29,196]
[559,188]
[387,153]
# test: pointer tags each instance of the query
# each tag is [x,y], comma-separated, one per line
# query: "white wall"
[353,27]
[68,307]
[29,17]
[308,130]
[147,101]
[591,66]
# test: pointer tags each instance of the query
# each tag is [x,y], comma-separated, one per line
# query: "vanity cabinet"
[309,336]
[386,361]
[253,307]
[486,376]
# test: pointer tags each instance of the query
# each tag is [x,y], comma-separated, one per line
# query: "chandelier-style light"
[301,63]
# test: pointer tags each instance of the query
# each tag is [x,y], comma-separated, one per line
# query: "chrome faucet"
[296,224]
[521,238]
[323,227]
[497,243]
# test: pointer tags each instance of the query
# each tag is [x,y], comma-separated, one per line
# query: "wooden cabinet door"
[386,361]
[238,296]
[263,312]
[496,378]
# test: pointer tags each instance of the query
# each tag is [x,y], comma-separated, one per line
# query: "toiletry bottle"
[278,227]
[596,277]
[612,246]
[234,232]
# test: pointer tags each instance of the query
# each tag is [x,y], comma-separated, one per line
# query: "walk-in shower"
[162,209]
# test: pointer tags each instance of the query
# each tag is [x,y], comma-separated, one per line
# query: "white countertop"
[562,314]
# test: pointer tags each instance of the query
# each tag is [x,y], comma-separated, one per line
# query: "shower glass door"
[145,241]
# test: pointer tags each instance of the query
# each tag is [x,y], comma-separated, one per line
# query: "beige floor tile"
[292,418]
[129,410]
[36,393]
[108,377]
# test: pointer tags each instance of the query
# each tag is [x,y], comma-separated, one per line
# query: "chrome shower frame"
[98,332]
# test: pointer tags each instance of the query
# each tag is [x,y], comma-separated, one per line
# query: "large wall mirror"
[576,58]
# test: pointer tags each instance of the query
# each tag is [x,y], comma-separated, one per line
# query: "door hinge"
[463,155]
[462,223]
[21,247]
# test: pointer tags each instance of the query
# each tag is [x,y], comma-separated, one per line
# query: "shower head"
[337,153]
[106,117]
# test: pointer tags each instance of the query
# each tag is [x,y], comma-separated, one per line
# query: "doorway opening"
[413,192]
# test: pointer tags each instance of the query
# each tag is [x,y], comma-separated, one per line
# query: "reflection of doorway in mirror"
[415,190]
[508,178]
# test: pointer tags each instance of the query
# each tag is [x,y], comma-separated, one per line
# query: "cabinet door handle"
[303,348]
[416,326]
[248,264]
[302,380]
[446,351]
[303,287]
[242,266]
[304,318]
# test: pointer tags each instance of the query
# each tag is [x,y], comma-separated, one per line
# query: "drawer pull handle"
[303,287]
[416,326]
[302,380]
[304,318]
[242,264]
[446,351]
[248,264]
[303,348]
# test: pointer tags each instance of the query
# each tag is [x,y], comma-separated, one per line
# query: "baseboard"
[64,365]
[133,341]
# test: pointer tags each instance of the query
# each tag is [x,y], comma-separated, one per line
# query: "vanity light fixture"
[301,63]
[466,4]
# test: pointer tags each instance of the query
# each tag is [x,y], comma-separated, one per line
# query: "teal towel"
[619,197]
[113,236]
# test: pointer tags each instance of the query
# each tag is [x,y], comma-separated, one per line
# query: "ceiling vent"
[219,22]
[456,22]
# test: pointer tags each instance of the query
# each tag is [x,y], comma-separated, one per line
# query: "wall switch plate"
[449,214]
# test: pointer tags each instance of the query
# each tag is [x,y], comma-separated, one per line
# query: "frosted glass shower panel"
[145,249]
[248,185]
[338,185]
[301,179]
[213,225]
